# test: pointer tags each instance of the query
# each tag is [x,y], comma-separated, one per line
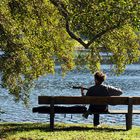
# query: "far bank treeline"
[34,33]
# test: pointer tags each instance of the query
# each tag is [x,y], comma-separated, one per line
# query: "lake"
[54,85]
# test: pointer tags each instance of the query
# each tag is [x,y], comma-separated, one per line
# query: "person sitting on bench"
[99,89]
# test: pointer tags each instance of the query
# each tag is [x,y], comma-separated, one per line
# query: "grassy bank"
[38,131]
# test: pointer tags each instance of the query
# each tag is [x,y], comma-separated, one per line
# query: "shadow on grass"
[87,128]
[13,128]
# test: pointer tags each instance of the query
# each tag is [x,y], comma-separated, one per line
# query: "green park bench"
[55,106]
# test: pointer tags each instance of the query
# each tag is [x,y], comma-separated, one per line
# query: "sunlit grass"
[40,131]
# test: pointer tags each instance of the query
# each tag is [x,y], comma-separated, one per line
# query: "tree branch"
[101,34]
[61,7]
[72,35]
[64,13]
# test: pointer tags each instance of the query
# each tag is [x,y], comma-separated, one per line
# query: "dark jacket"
[102,90]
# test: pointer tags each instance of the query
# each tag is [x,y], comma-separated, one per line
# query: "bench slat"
[136,100]
[76,110]
[61,109]
[113,100]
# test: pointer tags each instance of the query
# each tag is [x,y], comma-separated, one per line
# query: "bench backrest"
[113,100]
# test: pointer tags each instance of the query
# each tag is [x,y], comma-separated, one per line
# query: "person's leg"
[88,112]
[96,120]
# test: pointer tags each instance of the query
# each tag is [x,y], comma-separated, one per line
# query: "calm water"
[129,82]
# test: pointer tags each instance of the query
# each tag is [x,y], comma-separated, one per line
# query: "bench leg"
[52,115]
[128,121]
[51,121]
[129,114]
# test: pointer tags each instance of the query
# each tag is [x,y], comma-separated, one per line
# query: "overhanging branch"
[72,35]
[61,7]
[86,45]
[63,11]
[101,34]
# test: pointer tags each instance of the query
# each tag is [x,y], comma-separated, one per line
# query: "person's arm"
[114,91]
[81,88]
[88,93]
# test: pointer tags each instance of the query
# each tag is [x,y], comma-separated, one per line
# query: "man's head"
[99,77]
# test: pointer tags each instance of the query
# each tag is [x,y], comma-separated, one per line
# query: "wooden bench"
[55,101]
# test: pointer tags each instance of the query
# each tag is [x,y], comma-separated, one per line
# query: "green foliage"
[103,25]
[37,34]
[90,17]
[124,46]
[107,25]
[32,39]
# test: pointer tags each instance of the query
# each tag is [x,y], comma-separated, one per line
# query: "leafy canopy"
[37,34]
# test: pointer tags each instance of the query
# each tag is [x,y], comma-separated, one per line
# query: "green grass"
[41,131]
